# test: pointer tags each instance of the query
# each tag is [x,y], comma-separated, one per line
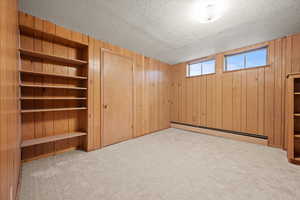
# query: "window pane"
[235,62]
[208,67]
[195,69]
[257,58]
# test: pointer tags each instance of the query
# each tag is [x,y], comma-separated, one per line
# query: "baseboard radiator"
[246,137]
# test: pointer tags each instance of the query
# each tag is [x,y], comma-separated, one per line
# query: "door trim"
[102,51]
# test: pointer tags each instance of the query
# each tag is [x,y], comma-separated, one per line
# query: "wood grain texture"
[54,92]
[250,100]
[9,103]
[117,92]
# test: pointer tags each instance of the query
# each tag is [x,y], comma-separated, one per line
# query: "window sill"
[244,69]
[200,75]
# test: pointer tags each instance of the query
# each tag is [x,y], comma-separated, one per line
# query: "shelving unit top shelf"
[25,30]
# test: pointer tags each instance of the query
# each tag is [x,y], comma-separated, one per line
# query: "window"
[201,68]
[249,59]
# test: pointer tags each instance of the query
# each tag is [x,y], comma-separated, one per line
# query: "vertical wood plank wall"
[250,101]
[9,107]
[151,90]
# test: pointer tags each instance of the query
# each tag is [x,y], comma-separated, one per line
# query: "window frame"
[200,61]
[245,64]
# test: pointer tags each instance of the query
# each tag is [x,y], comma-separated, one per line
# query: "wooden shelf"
[53,86]
[27,143]
[53,98]
[24,30]
[63,60]
[51,110]
[52,74]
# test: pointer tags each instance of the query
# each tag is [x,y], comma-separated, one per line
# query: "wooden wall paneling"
[227,101]
[269,96]
[92,87]
[278,94]
[295,53]
[252,101]
[261,101]
[219,96]
[284,92]
[237,100]
[97,95]
[211,101]
[202,101]
[160,87]
[172,94]
[155,95]
[9,102]
[189,101]
[195,101]
[288,69]
[147,101]
[139,77]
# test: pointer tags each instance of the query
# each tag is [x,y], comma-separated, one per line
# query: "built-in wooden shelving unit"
[293,117]
[53,87]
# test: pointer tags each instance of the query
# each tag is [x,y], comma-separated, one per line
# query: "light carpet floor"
[168,165]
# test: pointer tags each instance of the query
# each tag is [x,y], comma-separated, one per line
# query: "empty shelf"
[53,74]
[27,143]
[50,57]
[53,98]
[53,86]
[50,37]
[51,110]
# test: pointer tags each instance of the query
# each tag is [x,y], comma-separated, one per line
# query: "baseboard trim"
[220,133]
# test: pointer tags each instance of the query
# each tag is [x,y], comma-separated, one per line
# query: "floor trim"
[219,133]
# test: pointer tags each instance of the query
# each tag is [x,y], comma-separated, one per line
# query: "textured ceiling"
[164,29]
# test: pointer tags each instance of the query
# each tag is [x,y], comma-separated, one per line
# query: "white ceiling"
[164,29]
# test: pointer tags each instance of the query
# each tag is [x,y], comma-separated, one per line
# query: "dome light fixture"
[207,11]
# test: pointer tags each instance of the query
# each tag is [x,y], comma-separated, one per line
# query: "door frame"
[102,51]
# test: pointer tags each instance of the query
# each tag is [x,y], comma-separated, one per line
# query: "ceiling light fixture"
[207,11]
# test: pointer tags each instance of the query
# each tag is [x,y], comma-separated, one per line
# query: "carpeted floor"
[168,165]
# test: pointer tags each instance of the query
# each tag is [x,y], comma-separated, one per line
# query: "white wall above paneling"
[164,29]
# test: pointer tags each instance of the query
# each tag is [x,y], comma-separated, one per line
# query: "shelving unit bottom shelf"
[32,142]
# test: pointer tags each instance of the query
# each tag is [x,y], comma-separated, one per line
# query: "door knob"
[105,106]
